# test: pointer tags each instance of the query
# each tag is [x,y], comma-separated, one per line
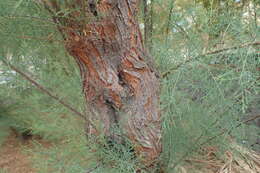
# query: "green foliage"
[4,121]
[28,109]
[203,100]
[4,132]
[3,170]
[34,46]
[200,102]
[205,96]
[75,154]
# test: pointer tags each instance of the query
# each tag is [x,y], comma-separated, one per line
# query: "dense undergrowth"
[209,86]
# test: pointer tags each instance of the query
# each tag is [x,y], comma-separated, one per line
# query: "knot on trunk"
[93,7]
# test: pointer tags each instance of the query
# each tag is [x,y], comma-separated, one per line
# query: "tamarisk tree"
[119,83]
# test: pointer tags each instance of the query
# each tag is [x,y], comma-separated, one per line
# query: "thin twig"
[234,47]
[44,90]
[53,14]
[31,18]
[93,169]
[214,137]
[165,74]
[231,129]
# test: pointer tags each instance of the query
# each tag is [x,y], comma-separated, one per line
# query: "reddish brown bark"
[120,87]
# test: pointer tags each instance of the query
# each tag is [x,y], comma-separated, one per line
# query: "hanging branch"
[44,90]
[165,74]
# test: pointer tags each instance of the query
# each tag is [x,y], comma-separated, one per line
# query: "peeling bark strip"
[120,87]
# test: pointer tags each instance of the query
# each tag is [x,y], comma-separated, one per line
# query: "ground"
[13,158]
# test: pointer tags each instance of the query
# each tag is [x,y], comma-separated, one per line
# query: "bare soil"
[12,157]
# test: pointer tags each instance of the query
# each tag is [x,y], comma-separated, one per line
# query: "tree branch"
[165,74]
[214,137]
[234,47]
[44,90]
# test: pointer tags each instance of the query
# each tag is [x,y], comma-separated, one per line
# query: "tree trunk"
[121,88]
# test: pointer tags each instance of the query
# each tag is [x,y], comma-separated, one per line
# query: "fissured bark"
[120,86]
